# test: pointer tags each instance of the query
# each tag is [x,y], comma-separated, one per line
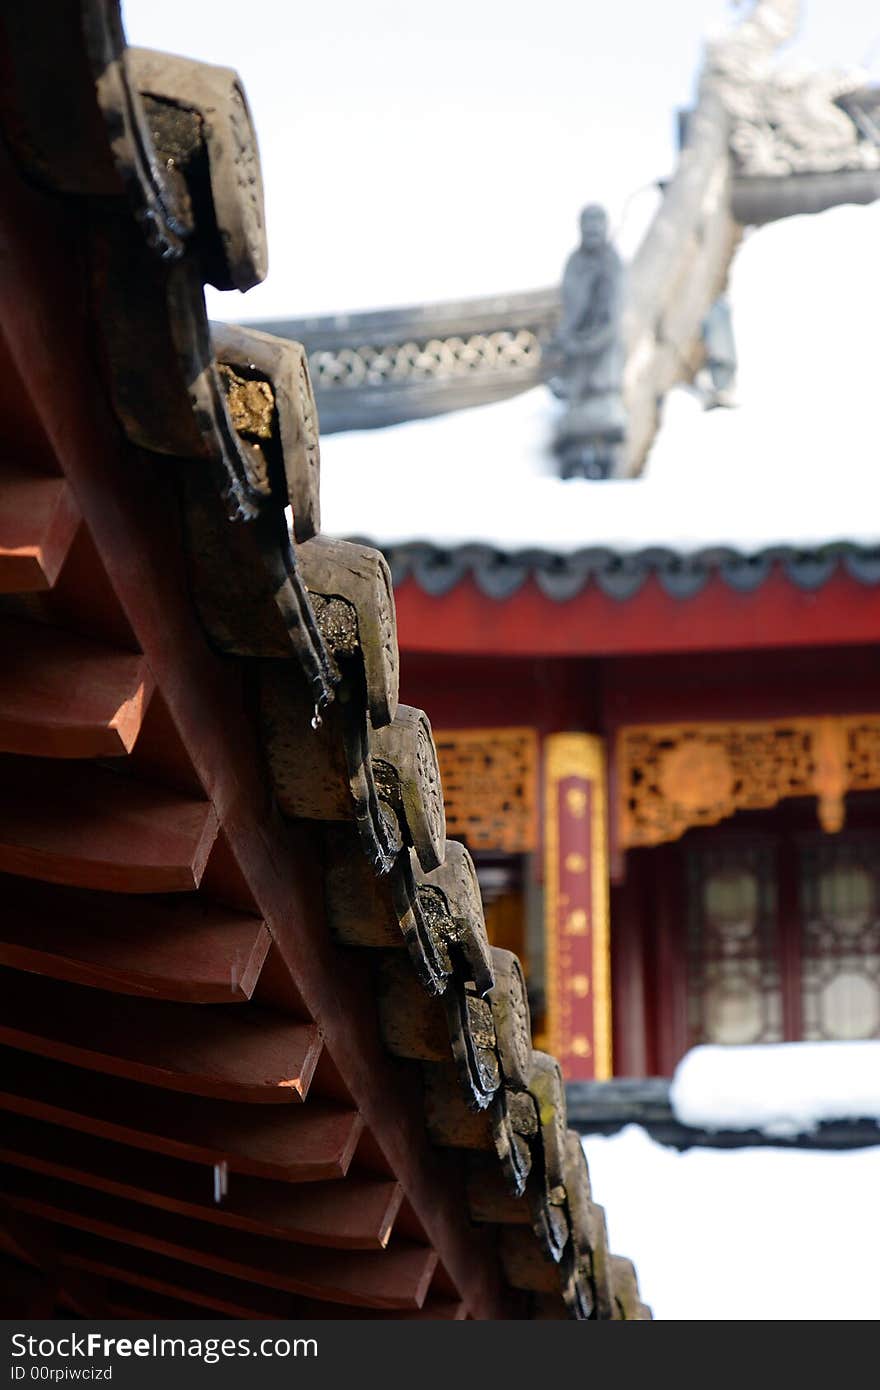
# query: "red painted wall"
[777,614]
[560,693]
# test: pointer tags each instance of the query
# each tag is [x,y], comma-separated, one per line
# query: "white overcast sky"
[415,152]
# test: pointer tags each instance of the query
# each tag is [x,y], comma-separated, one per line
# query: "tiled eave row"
[499,574]
[246,976]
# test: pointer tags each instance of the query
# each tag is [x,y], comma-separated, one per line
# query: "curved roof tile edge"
[500,574]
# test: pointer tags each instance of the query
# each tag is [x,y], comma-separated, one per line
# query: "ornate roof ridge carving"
[786,118]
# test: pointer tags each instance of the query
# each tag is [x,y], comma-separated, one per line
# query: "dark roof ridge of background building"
[619,574]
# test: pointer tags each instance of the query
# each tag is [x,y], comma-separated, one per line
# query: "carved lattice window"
[758,973]
[734,986]
[840,964]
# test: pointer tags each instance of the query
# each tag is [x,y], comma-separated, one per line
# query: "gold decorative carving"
[490,779]
[674,777]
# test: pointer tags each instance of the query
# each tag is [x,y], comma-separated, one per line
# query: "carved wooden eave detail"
[676,777]
[351,589]
[163,154]
[319,795]
[200,122]
[407,772]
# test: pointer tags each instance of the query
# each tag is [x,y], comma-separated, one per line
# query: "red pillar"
[576,889]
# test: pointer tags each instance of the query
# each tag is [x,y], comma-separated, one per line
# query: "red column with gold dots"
[578,984]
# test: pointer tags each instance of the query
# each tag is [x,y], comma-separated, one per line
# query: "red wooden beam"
[398,1277]
[65,696]
[130,1269]
[38,521]
[87,827]
[243,1054]
[357,1214]
[178,948]
[776,614]
[302,1143]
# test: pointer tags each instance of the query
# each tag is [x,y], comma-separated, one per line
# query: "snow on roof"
[743,1234]
[796,463]
[782,1089]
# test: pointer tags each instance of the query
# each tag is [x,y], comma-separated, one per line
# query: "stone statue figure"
[587,355]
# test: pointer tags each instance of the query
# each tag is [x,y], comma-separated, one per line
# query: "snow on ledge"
[781,1088]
